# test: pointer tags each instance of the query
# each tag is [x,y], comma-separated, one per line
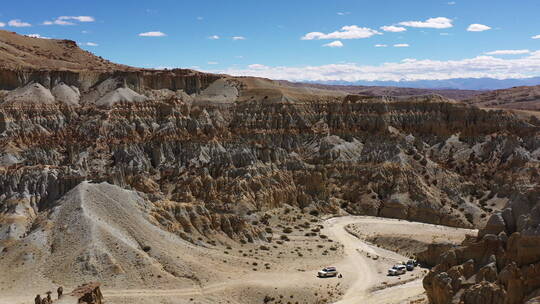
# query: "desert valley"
[180,186]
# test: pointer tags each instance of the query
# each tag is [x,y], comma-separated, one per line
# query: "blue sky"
[299,40]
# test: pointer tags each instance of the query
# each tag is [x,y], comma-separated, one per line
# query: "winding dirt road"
[363,267]
[366,271]
[367,274]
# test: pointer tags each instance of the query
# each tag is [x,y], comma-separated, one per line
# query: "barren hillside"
[172,184]
[518,98]
[388,91]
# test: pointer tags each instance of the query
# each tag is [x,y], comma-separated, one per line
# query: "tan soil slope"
[517,98]
[385,91]
[21,52]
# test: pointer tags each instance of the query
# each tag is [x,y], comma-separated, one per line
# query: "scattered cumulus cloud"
[18,23]
[334,44]
[238,38]
[214,37]
[393,28]
[69,20]
[91,44]
[478,27]
[37,36]
[346,32]
[436,23]
[508,52]
[536,37]
[257,66]
[78,18]
[2,24]
[401,45]
[406,70]
[381,45]
[153,34]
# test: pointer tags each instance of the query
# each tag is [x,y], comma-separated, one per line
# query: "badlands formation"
[176,186]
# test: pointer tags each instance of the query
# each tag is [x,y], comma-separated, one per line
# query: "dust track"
[365,272]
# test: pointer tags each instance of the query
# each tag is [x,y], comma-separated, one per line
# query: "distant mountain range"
[453,84]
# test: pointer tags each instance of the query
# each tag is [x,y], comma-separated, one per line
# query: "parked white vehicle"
[397,270]
[327,272]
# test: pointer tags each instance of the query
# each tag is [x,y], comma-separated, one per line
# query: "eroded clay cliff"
[204,156]
[501,266]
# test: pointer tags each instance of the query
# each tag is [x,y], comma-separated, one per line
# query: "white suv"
[327,272]
[397,270]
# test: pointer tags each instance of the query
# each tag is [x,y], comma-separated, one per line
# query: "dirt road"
[363,266]
[367,272]
[359,265]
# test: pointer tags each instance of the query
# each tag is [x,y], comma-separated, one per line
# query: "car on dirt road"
[410,265]
[397,270]
[328,272]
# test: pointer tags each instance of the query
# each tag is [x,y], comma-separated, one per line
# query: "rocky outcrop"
[88,293]
[502,266]
[432,255]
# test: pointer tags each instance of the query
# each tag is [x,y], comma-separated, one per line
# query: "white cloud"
[478,27]
[346,32]
[257,66]
[153,34]
[393,28]
[18,23]
[212,62]
[508,52]
[37,36]
[401,45]
[343,13]
[410,69]
[436,23]
[334,44]
[381,45]
[452,3]
[536,37]
[214,37]
[2,24]
[91,44]
[78,18]
[69,20]
[238,38]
